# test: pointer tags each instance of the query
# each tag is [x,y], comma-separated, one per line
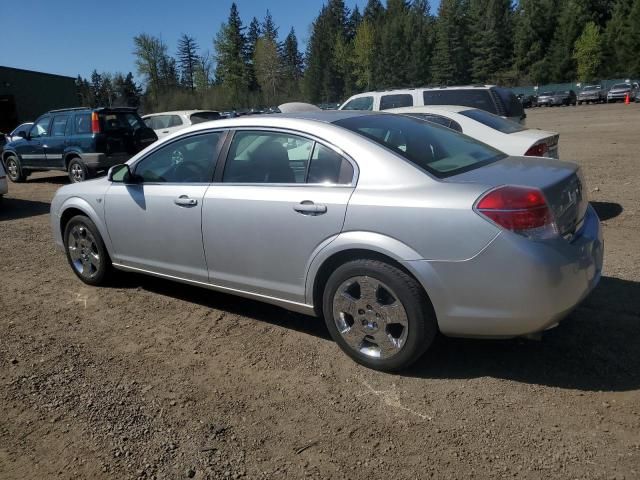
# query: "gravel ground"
[150,379]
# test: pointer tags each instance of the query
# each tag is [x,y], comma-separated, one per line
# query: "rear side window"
[512,106]
[360,103]
[329,167]
[59,126]
[440,120]
[433,148]
[83,123]
[204,117]
[468,98]
[396,101]
[493,121]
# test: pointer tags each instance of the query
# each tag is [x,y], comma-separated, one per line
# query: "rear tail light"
[522,210]
[95,123]
[538,150]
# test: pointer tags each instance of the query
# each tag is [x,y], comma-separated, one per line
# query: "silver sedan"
[390,228]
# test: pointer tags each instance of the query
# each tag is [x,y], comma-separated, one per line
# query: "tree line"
[397,44]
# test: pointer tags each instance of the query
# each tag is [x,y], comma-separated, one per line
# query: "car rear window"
[492,121]
[396,101]
[512,106]
[111,121]
[467,98]
[435,149]
[204,117]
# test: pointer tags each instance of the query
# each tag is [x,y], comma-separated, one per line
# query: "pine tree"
[126,92]
[231,67]
[85,93]
[269,29]
[395,40]
[421,35]
[97,90]
[353,22]
[451,60]
[364,55]
[292,60]
[491,45]
[253,34]
[615,56]
[187,60]
[373,11]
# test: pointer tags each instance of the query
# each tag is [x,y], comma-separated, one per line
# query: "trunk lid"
[535,137]
[122,131]
[561,183]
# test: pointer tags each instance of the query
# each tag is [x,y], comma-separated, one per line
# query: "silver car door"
[155,224]
[271,210]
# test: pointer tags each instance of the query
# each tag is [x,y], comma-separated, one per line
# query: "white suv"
[166,123]
[496,100]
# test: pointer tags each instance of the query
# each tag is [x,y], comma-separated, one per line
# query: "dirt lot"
[151,379]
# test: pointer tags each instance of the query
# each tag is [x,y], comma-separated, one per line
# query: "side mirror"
[121,174]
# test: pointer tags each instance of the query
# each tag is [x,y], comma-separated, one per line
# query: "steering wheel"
[189,172]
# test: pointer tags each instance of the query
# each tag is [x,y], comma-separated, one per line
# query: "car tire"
[580,103]
[85,250]
[379,315]
[14,169]
[78,171]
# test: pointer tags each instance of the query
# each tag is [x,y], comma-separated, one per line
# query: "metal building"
[25,95]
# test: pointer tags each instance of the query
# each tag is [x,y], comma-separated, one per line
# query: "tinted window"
[59,126]
[468,98]
[591,88]
[547,94]
[41,128]
[396,101]
[360,103]
[112,121]
[267,157]
[204,117]
[438,150]
[150,122]
[440,120]
[83,123]
[329,167]
[188,160]
[175,121]
[493,121]
[512,106]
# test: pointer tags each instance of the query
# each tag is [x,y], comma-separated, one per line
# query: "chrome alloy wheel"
[12,169]
[83,251]
[77,173]
[370,317]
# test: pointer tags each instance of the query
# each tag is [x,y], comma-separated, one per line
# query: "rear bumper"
[514,286]
[98,161]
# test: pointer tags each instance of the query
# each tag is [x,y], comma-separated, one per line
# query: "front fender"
[356,240]
[86,208]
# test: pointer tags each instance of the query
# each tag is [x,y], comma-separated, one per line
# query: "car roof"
[179,112]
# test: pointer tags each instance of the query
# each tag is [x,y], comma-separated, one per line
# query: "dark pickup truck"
[80,141]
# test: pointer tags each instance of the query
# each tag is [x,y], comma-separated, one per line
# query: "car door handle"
[307,207]
[185,201]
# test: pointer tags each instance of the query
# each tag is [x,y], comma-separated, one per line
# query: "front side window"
[396,101]
[467,98]
[438,150]
[493,121]
[188,160]
[360,103]
[41,128]
[267,157]
[59,126]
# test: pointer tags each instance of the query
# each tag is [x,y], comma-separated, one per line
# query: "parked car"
[507,136]
[620,91]
[592,94]
[80,141]
[560,97]
[389,227]
[528,101]
[166,123]
[4,187]
[499,101]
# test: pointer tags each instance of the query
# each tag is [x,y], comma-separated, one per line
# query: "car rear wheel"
[378,314]
[14,170]
[78,171]
[85,251]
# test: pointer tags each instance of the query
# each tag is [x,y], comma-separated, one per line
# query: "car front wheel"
[78,171]
[85,251]
[378,314]
[14,170]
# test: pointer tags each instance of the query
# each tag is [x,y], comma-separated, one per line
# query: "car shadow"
[594,349]
[15,208]
[607,210]
[233,304]
[52,179]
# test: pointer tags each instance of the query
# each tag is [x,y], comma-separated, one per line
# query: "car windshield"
[492,121]
[438,150]
[591,88]
[622,85]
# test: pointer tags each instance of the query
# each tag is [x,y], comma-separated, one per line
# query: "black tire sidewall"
[422,322]
[85,170]
[105,265]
